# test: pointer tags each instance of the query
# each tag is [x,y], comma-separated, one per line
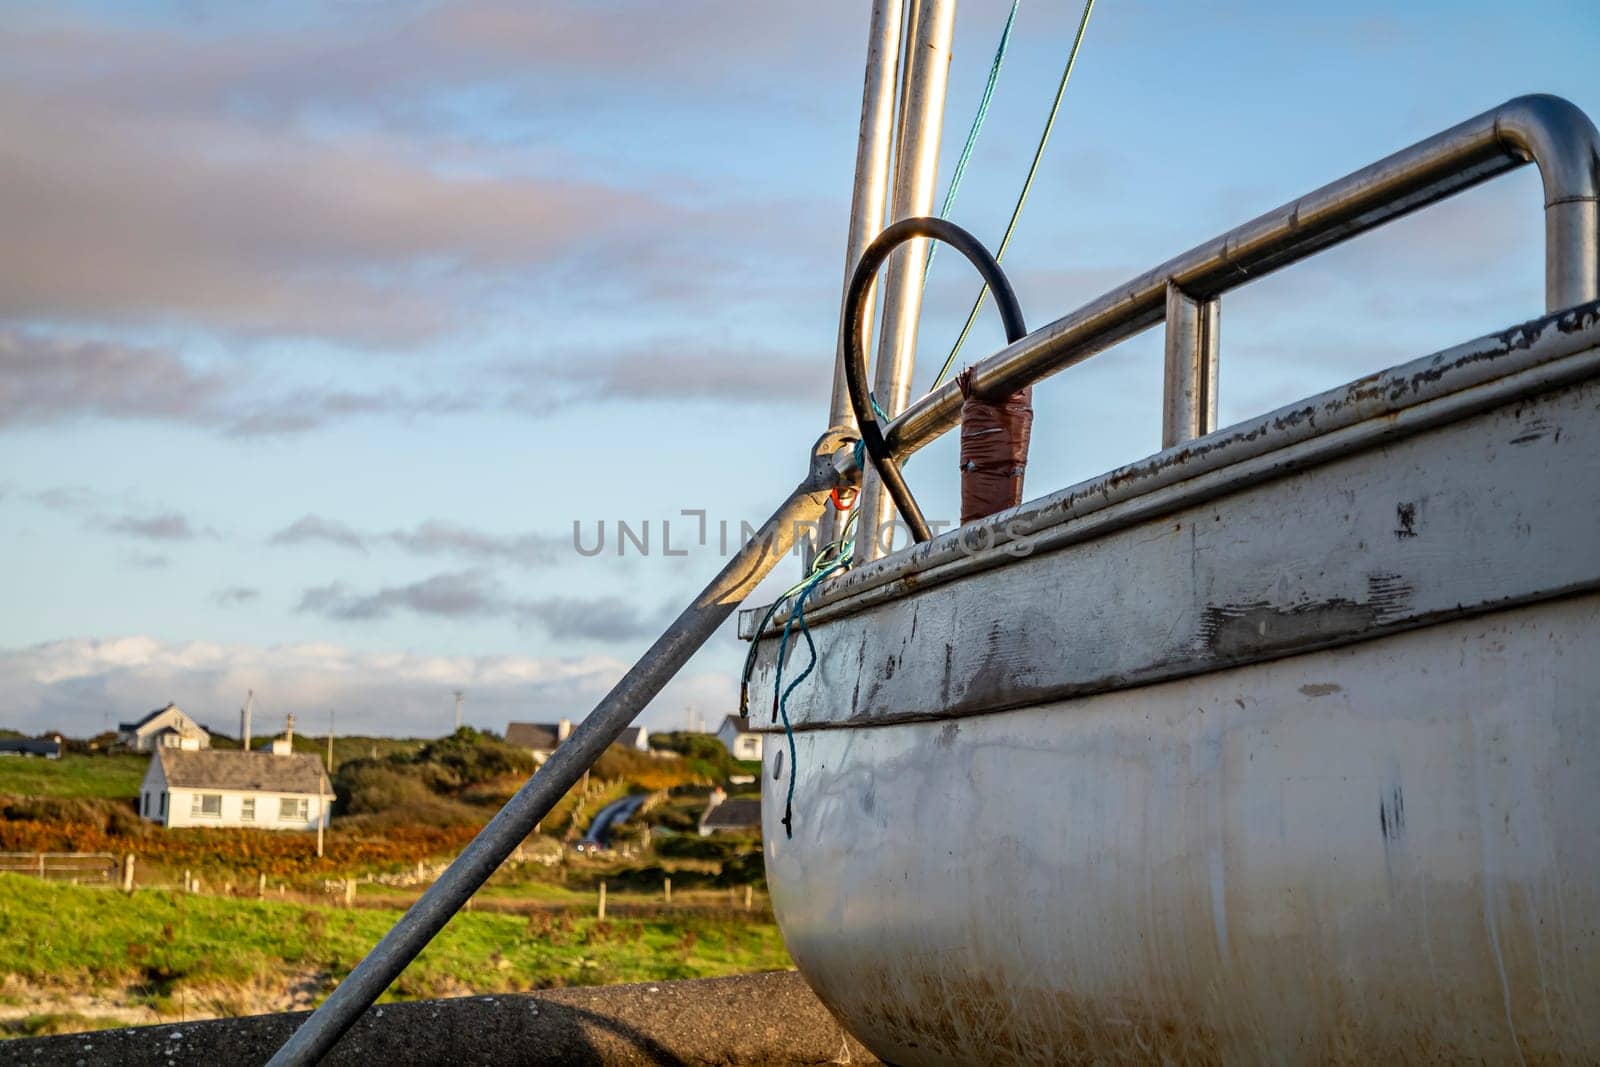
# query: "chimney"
[284,746]
[244,720]
[564,730]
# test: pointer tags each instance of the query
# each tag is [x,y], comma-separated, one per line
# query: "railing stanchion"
[1189,403]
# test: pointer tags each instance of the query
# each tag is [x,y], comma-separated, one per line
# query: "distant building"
[43,747]
[186,787]
[737,737]
[722,814]
[166,727]
[543,738]
[540,738]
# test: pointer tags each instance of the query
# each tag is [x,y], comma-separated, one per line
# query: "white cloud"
[77,685]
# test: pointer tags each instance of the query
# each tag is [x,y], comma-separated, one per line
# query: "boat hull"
[1384,853]
[1294,758]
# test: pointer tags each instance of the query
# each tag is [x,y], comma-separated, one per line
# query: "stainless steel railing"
[1186,291]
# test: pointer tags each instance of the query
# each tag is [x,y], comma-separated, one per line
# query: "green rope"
[972,132]
[1022,199]
[832,556]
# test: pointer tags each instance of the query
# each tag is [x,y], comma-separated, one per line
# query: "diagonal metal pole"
[776,538]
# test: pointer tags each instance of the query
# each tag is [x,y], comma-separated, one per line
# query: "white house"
[167,727]
[737,738]
[184,787]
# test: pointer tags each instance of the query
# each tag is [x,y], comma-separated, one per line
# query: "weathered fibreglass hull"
[1281,746]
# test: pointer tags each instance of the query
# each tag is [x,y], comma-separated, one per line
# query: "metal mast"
[916,172]
[874,145]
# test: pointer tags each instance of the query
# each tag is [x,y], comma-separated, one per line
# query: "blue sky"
[320,325]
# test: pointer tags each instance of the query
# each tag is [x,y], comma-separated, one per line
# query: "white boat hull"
[1303,765]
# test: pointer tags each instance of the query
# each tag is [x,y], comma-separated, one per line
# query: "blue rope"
[878,411]
[780,695]
[972,133]
[783,710]
[788,625]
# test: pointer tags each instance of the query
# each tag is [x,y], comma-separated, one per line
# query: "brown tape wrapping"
[994,450]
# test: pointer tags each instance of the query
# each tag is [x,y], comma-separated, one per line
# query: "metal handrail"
[1185,291]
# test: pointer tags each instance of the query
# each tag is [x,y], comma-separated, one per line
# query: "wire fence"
[79,868]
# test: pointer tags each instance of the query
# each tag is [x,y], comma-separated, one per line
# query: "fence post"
[748,894]
[261,884]
[187,885]
[600,911]
[666,889]
[349,892]
[41,866]
[127,873]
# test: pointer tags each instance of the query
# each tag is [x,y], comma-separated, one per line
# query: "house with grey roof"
[168,727]
[539,738]
[214,787]
[543,738]
[723,815]
[43,747]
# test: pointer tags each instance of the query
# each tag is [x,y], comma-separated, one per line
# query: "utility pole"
[330,744]
[458,709]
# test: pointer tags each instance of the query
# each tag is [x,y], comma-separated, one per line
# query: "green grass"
[345,748]
[78,939]
[113,776]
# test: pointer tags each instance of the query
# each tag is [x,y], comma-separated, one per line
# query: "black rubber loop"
[855,358]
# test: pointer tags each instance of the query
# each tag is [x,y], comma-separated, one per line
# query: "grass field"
[117,775]
[206,955]
[113,776]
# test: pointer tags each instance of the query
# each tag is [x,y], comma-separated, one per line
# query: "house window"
[163,805]
[205,806]
[144,804]
[247,809]
[293,809]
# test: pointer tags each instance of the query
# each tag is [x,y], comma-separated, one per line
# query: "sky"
[323,327]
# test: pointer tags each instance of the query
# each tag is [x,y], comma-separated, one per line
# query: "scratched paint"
[1300,767]
[1272,569]
[1410,872]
